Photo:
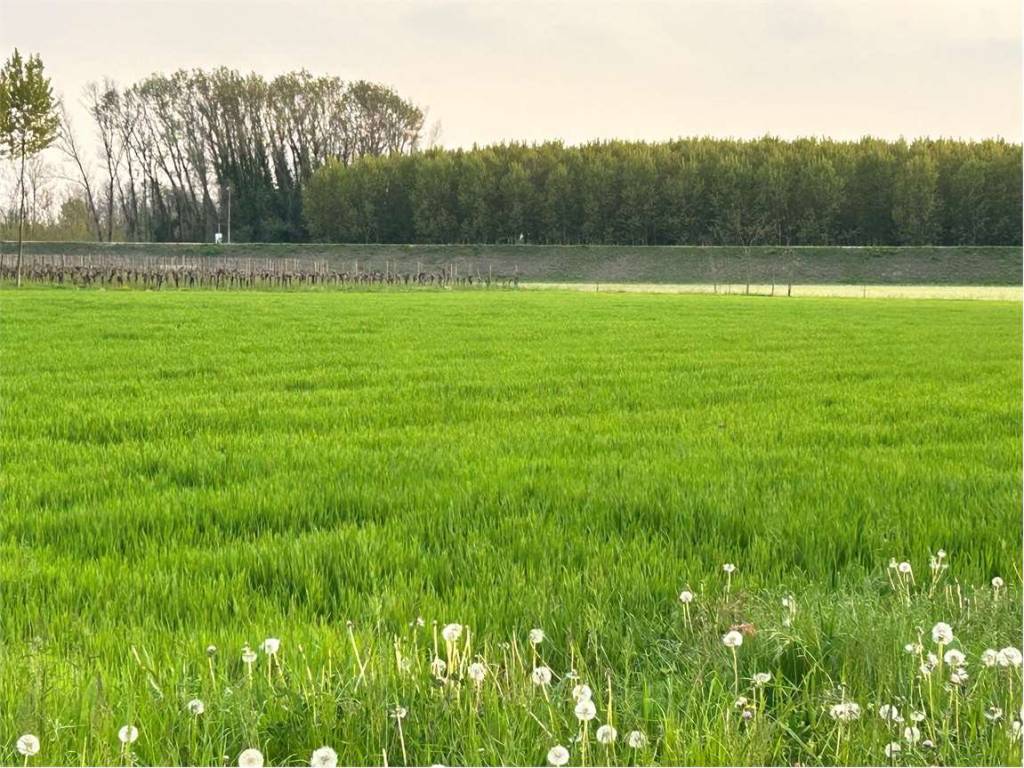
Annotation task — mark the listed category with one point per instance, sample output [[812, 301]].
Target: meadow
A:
[[279, 521]]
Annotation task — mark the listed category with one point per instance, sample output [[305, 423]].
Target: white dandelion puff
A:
[[582, 692], [890, 713], [686, 597], [248, 655], [536, 636], [845, 711], [989, 657], [585, 710], [728, 567], [1009, 657], [541, 676], [762, 678], [270, 646], [942, 633], [636, 739], [911, 734], [558, 756], [918, 716], [913, 648], [477, 672], [993, 713], [128, 734], [607, 735], [904, 567], [893, 748], [438, 667], [399, 712], [27, 745], [732, 639], [997, 582], [250, 758], [196, 707], [325, 757], [451, 632], [954, 658]]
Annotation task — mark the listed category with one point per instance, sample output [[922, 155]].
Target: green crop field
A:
[[350, 473]]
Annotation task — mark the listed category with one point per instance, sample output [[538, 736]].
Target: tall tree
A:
[[28, 121]]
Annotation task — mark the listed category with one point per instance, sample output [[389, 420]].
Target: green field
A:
[[187, 469]]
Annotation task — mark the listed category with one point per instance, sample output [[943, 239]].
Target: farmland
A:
[[812, 265], [188, 473]]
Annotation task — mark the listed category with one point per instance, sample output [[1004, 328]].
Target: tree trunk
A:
[[21, 210]]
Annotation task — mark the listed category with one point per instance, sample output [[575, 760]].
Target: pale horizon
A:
[[579, 72]]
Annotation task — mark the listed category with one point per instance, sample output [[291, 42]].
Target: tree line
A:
[[688, 191], [177, 152]]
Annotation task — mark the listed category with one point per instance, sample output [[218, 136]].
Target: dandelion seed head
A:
[[954, 658], [582, 692], [913, 648], [585, 710], [989, 657], [128, 734], [270, 646], [636, 740], [451, 632], [911, 734], [325, 757], [558, 756], [438, 667], [918, 716], [607, 735], [928, 744], [250, 758], [904, 567], [536, 636], [195, 707], [1009, 657], [740, 702], [993, 713], [477, 672], [686, 597], [762, 678], [27, 745], [248, 655], [211, 650], [420, 622], [541, 676], [997, 582], [732, 639], [747, 714], [893, 748], [399, 712], [942, 633], [845, 711], [890, 713], [728, 567]]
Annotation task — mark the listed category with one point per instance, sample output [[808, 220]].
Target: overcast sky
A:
[[579, 70]]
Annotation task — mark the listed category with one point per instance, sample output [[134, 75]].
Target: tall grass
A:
[[181, 471]]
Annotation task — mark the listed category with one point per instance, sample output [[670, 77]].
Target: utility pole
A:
[[229, 215]]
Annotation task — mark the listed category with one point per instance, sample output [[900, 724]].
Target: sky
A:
[[579, 70]]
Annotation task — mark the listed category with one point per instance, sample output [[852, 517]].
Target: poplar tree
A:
[[28, 121]]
